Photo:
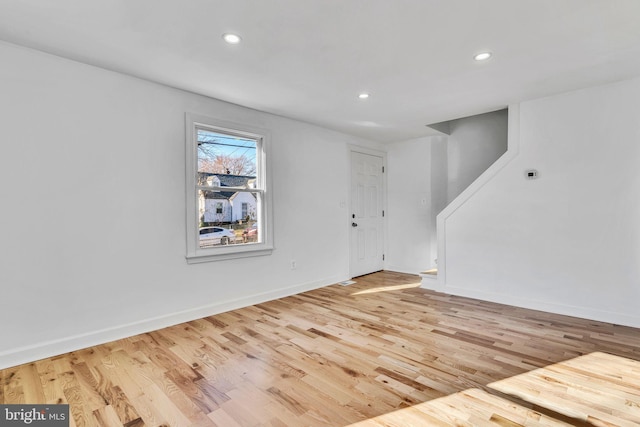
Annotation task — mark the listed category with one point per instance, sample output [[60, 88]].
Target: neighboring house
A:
[[227, 206]]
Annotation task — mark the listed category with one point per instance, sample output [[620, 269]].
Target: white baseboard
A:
[[46, 349], [549, 307], [432, 282], [399, 269]]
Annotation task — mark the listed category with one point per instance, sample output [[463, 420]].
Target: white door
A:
[[366, 214]]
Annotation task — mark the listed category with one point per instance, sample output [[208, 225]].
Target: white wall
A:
[[92, 237], [409, 206], [568, 242], [439, 179], [473, 145], [425, 174]]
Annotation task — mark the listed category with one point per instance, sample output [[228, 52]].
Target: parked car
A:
[[210, 236], [250, 234]]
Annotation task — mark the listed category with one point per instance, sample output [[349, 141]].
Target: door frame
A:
[[352, 148]]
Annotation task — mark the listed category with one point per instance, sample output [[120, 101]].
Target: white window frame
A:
[[195, 254]]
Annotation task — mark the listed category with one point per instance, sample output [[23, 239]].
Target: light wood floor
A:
[[379, 352]]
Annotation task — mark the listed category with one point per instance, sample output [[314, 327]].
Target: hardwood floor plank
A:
[[31, 385], [571, 388], [12, 388], [106, 416], [79, 409], [123, 409], [221, 419], [380, 352], [91, 387]]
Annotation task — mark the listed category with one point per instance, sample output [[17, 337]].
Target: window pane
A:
[[225, 154], [228, 218]]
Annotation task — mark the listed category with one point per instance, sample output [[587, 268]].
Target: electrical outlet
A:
[[293, 264]]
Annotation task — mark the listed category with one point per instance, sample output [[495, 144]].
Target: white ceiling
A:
[[309, 59]]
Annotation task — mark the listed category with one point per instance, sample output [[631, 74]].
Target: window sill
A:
[[222, 254]]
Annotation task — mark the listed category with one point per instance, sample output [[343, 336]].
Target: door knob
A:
[[353, 224]]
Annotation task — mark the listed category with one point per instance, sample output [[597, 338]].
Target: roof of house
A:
[[226, 180]]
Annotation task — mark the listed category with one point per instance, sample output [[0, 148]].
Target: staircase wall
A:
[[569, 241]]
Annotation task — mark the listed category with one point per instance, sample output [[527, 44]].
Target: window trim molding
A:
[[195, 254]]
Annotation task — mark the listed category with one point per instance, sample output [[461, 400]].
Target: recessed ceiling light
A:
[[231, 38], [483, 56], [363, 95]]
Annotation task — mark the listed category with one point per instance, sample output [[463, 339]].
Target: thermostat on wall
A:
[[531, 174]]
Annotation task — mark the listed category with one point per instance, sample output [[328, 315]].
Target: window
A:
[[228, 194]]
